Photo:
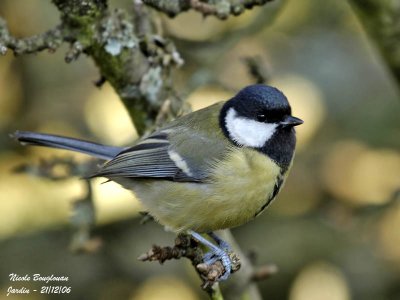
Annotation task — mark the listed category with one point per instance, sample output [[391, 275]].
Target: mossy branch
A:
[[129, 51]]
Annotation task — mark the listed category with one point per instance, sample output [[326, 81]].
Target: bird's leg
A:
[[221, 243], [215, 253]]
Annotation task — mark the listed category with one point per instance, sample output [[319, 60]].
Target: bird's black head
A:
[[259, 116], [262, 103]]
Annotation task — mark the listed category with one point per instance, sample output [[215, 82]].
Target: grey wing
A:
[[154, 157]]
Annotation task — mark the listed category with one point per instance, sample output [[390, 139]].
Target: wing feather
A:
[[150, 158]]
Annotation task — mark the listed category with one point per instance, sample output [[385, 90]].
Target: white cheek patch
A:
[[248, 132]]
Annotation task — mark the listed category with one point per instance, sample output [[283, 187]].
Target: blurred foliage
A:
[[332, 231]]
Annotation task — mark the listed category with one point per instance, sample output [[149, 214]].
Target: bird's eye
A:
[[261, 118]]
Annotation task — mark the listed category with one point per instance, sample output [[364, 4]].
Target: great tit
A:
[[215, 168]]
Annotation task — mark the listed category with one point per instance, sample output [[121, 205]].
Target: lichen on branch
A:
[[222, 9], [50, 40]]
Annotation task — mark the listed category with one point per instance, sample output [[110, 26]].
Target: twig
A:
[[221, 9], [264, 272], [83, 220], [99, 82], [49, 40], [75, 50], [58, 168], [257, 69], [185, 246], [210, 9]]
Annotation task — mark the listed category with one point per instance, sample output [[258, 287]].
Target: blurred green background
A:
[[333, 231]]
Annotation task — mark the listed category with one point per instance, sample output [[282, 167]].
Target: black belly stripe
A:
[[275, 192]]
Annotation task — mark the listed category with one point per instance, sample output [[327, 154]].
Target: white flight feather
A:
[[179, 162]]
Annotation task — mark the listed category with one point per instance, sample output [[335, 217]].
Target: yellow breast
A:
[[243, 184]]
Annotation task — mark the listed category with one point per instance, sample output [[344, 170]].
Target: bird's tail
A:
[[55, 141]]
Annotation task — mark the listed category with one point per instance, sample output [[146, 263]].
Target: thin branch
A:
[[50, 40], [185, 246], [83, 221], [221, 9], [264, 272], [58, 168], [257, 69]]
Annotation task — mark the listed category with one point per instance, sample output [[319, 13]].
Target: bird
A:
[[216, 168]]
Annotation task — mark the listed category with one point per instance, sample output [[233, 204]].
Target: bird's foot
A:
[[212, 257], [221, 253]]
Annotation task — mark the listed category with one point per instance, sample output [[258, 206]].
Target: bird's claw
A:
[[218, 254], [211, 257]]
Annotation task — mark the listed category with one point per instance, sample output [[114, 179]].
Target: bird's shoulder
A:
[[198, 139]]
